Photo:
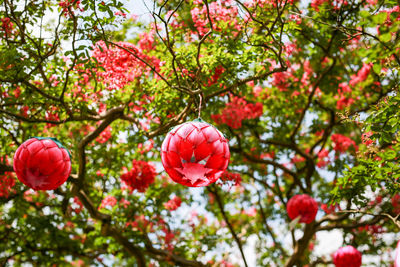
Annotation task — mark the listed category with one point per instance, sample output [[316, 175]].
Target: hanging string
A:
[[200, 104]]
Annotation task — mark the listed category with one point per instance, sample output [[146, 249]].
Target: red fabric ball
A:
[[195, 154], [347, 256], [397, 256], [42, 163], [304, 206]]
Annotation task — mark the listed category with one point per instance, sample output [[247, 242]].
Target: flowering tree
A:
[[306, 93]]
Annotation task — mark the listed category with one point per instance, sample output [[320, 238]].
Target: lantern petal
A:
[[202, 151], [174, 144], [216, 162], [185, 130], [195, 138], [174, 160], [185, 150], [211, 134], [165, 144]]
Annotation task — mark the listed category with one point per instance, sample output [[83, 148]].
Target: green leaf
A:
[[380, 17], [386, 37], [377, 68]]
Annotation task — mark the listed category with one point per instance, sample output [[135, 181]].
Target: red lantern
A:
[[42, 163], [397, 256], [347, 256], [195, 154], [304, 206]]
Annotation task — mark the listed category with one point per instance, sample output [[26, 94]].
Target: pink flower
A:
[[124, 202], [323, 158], [108, 201], [238, 110], [347, 256], [121, 65], [342, 143], [252, 212], [173, 204], [362, 74], [304, 206], [105, 135]]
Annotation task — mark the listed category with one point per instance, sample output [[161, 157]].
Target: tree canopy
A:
[[306, 92]]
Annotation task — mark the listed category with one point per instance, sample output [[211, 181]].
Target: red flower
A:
[[173, 203], [108, 201], [236, 111], [7, 180], [42, 163], [342, 143], [140, 176], [105, 135], [323, 158], [78, 204], [330, 208], [347, 256], [304, 206], [396, 203], [366, 138], [230, 176], [195, 154]]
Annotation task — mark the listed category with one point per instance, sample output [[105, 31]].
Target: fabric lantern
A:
[[42, 163], [304, 206], [195, 154], [347, 256]]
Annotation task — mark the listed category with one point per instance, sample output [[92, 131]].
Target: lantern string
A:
[[200, 104]]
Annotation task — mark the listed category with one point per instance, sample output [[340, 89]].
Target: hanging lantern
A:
[[397, 256], [302, 206], [347, 256], [42, 163], [195, 154]]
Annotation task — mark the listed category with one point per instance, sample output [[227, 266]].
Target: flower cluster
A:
[[396, 203], [120, 63], [173, 204], [361, 75], [232, 177], [7, 180], [342, 143], [330, 208], [219, 11], [6, 25], [105, 135], [370, 229], [343, 98], [215, 77], [140, 176], [77, 205], [366, 138], [323, 158], [68, 6], [108, 201], [236, 111]]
